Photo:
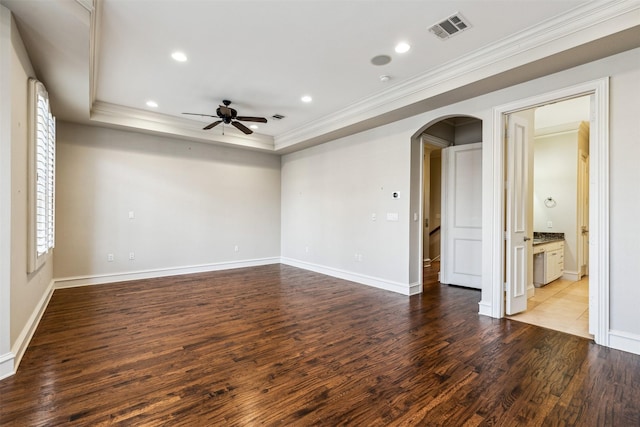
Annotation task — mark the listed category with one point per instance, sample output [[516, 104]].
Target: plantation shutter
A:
[[42, 205]]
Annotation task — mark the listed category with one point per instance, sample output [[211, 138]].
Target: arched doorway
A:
[[433, 235]]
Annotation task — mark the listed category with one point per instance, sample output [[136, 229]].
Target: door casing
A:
[[493, 195]]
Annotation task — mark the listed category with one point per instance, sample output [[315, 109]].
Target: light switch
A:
[[131, 215], [392, 216], [374, 217]]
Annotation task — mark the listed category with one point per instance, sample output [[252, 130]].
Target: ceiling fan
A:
[[228, 115]]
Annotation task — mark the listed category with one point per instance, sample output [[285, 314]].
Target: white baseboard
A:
[[71, 282], [624, 341], [415, 288], [7, 366], [484, 308], [23, 340], [400, 288], [574, 276], [531, 290]]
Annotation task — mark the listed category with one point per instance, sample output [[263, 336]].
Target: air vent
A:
[[278, 116], [451, 26]]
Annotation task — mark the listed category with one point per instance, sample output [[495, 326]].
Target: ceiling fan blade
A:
[[198, 114], [252, 119], [214, 124], [242, 127]]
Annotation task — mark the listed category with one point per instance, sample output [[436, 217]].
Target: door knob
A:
[[526, 239]]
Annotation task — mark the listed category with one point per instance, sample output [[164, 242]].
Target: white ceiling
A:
[[102, 60]]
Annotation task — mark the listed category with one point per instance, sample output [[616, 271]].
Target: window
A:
[[42, 156]]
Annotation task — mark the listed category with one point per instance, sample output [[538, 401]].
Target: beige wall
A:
[[389, 152], [192, 203], [556, 176], [26, 291]]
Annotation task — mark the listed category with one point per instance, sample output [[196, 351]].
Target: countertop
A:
[[540, 238]]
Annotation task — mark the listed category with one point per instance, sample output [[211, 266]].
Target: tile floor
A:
[[561, 305]]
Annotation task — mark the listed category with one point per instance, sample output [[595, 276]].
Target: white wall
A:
[[192, 203], [26, 294], [330, 191], [624, 209], [556, 176], [329, 194]]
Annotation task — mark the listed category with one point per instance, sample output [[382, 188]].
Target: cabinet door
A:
[[552, 266]]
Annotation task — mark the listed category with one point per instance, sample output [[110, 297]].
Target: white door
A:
[[461, 223], [519, 227]]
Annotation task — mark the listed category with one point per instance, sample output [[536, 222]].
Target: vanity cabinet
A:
[[548, 262]]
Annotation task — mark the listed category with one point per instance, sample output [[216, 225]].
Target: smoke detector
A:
[[451, 26]]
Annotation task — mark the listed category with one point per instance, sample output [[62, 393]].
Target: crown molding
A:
[[581, 25], [127, 117], [574, 28]]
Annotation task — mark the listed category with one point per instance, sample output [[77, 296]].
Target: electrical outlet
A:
[[110, 258], [236, 248], [132, 256], [549, 224]]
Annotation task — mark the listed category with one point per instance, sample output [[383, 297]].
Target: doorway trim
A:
[[598, 202]]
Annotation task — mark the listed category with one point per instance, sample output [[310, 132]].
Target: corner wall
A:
[[338, 212], [27, 294]]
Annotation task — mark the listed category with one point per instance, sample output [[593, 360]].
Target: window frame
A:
[[41, 185]]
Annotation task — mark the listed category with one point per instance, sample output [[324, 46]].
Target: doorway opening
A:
[[558, 290], [451, 229], [510, 278]]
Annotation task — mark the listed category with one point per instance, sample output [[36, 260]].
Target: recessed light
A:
[[152, 104], [253, 127], [179, 56], [306, 98], [402, 47]]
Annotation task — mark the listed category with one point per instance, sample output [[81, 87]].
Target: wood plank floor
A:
[[280, 346]]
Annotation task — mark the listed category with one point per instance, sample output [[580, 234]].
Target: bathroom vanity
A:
[[548, 258]]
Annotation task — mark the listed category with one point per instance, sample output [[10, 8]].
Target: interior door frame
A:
[[435, 142], [598, 202]]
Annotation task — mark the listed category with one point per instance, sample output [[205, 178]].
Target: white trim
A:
[[99, 279], [574, 276], [397, 287], [493, 226], [162, 124], [598, 196], [565, 31], [624, 341], [434, 141], [484, 308], [6, 365], [23, 340]]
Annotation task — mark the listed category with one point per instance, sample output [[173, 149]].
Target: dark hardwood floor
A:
[[276, 345]]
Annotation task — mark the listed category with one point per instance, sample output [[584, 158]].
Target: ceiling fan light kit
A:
[[228, 115]]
